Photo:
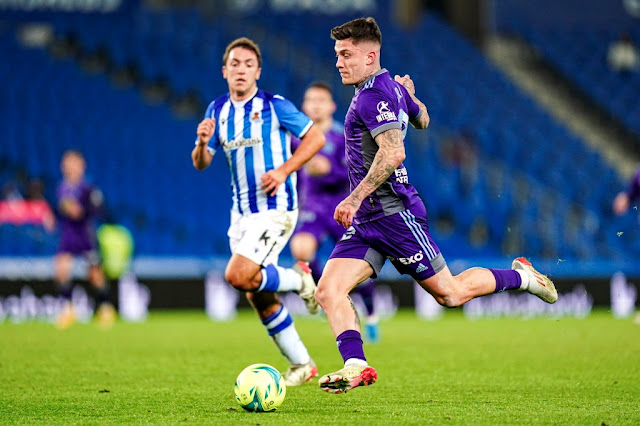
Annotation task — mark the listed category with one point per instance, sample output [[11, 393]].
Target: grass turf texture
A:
[[180, 367]]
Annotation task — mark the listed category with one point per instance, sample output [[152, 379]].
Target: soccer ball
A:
[[260, 388]]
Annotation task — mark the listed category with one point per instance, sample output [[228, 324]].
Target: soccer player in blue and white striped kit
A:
[[253, 128]]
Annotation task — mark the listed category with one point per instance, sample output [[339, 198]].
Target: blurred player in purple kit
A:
[[623, 200], [79, 202], [384, 215], [323, 183]]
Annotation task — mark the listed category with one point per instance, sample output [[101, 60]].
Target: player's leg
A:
[[256, 242], [279, 324], [63, 265], [105, 311], [304, 246], [339, 277], [452, 291], [351, 262], [313, 226], [420, 257], [366, 290]]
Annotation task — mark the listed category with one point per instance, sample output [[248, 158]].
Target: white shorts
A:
[[261, 236]]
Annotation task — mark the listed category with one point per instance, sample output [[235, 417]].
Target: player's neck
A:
[[370, 73], [243, 96], [324, 125]]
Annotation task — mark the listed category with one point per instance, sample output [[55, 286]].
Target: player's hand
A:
[[345, 211], [621, 204], [407, 83], [272, 180], [319, 165], [71, 208], [205, 130]]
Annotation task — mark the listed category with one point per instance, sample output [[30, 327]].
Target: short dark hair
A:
[[245, 42], [361, 29], [319, 84]]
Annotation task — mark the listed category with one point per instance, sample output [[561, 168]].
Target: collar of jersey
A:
[[239, 104], [382, 71]]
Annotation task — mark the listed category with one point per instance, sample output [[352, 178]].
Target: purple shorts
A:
[[80, 247], [401, 237], [320, 224]]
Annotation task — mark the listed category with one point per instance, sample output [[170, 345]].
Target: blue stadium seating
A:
[[538, 190], [580, 54]]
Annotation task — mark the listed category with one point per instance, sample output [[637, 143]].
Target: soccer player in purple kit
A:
[[79, 203], [322, 184], [384, 215], [623, 200]]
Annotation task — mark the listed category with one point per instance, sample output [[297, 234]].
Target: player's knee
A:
[[327, 295], [448, 298], [323, 294]]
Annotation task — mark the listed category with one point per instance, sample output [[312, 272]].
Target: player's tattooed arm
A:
[[389, 156], [422, 120]]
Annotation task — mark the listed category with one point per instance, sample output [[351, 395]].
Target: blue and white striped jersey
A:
[[255, 135]]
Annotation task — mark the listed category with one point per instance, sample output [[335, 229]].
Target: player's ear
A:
[[258, 73], [371, 57], [224, 72], [333, 107]]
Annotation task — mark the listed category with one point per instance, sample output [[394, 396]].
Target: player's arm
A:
[[389, 156], [310, 144], [201, 155], [421, 121]]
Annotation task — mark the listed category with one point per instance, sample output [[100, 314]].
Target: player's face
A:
[[318, 104], [241, 72], [73, 167], [352, 62]]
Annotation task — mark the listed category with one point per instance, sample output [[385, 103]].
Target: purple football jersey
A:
[[325, 192], [78, 235], [379, 104], [634, 187]]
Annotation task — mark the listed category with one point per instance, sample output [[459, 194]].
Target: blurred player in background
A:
[[623, 200], [79, 203], [323, 183], [384, 216], [254, 128]]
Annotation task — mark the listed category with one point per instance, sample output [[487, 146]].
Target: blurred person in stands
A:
[[253, 129], [384, 216], [623, 200], [35, 196], [79, 204], [323, 182], [623, 54]]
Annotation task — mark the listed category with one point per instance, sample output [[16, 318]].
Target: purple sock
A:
[[316, 269], [506, 279], [350, 345]]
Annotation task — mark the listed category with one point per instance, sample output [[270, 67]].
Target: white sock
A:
[[525, 279], [291, 346], [281, 329], [355, 361]]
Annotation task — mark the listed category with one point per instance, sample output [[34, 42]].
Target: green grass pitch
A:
[[179, 367]]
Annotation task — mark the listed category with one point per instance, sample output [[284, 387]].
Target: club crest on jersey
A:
[[384, 113], [256, 118]]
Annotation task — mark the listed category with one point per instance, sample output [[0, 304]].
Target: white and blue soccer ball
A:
[[260, 388]]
